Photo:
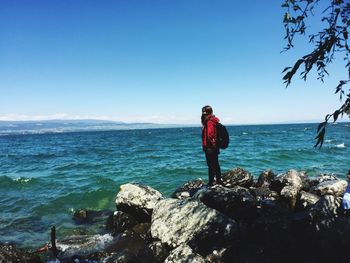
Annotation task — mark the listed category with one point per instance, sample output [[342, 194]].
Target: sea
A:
[[47, 176]]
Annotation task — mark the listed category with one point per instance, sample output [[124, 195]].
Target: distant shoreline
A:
[[8, 128]]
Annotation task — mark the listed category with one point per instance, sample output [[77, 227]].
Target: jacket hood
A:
[[213, 118]]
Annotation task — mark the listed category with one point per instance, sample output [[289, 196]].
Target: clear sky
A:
[[153, 61]]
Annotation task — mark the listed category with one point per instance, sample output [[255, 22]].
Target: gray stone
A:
[[334, 187], [289, 194], [237, 177], [184, 254], [175, 222], [291, 178], [137, 200]]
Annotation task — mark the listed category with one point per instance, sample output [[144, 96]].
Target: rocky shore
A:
[[288, 217]]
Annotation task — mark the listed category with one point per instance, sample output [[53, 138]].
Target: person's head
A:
[[206, 111], [348, 174]]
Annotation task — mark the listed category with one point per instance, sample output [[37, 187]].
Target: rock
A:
[[237, 202], [289, 194], [237, 177], [129, 241], [176, 222], [144, 231], [272, 217], [120, 221], [306, 200], [188, 189], [86, 216], [155, 252], [334, 187], [265, 178], [10, 253], [264, 193], [324, 212], [291, 178], [184, 254], [138, 201]]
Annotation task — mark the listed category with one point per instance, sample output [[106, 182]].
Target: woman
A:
[[210, 146]]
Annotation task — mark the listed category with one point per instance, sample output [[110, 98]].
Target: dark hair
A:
[[207, 110]]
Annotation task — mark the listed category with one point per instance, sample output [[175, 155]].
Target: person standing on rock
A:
[[210, 145]]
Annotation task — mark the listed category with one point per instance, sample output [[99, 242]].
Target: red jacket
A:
[[209, 134]]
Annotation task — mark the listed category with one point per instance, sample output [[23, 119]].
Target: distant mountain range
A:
[[58, 126]]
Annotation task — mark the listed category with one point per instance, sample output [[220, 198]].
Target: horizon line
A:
[[174, 124]]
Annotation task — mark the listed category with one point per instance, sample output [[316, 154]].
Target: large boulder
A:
[[237, 177], [237, 202], [333, 187], [184, 254], [176, 222], [323, 213], [188, 189], [137, 200]]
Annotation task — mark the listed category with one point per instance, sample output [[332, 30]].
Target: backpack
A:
[[223, 138]]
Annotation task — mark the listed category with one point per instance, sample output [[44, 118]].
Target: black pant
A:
[[212, 157]]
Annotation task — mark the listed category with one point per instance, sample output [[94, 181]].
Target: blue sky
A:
[[153, 61]]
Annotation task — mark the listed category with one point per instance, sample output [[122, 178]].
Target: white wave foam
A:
[[341, 145], [22, 180], [84, 245]]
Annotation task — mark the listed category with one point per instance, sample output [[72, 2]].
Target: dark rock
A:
[[188, 189], [144, 231], [119, 222], [237, 202], [138, 201], [10, 253], [237, 177], [155, 252], [323, 213], [85, 216], [265, 178], [176, 222], [264, 193]]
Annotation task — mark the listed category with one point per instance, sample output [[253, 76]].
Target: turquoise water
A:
[[44, 178]]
